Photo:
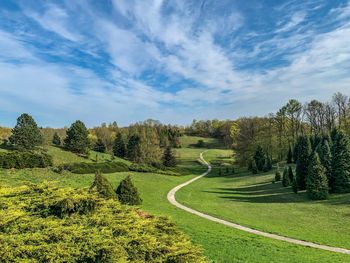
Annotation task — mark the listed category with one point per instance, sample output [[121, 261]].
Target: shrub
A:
[[277, 176], [21, 160], [168, 158], [56, 140], [102, 186], [66, 225], [254, 167], [285, 178], [200, 144], [88, 168], [295, 185], [290, 174], [127, 193]]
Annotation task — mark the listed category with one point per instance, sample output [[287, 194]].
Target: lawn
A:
[[220, 243]]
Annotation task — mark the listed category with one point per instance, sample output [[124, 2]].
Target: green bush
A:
[[277, 176], [66, 225], [127, 193], [88, 168], [21, 160]]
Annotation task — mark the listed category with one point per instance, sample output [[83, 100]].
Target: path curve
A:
[[172, 200]]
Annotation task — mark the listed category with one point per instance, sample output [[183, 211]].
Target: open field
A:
[[220, 243]]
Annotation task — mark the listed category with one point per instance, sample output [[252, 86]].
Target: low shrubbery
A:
[[65, 225], [22, 160], [88, 168], [144, 168]]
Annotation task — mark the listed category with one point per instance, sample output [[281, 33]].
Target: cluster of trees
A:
[[278, 132], [261, 161]]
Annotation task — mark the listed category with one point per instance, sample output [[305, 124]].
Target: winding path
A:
[[172, 200]]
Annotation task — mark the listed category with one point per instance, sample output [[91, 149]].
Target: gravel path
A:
[[172, 200]]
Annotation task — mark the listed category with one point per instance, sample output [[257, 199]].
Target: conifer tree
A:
[[285, 178], [233, 170], [77, 138], [304, 151], [290, 174], [290, 155], [295, 185], [254, 167], [102, 186], [324, 153], [169, 159], [119, 147], [277, 176], [227, 170], [259, 158], [127, 193], [26, 134], [340, 177], [134, 148], [316, 183], [100, 146], [56, 140]]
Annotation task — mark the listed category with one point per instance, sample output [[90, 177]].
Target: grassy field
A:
[[220, 243]]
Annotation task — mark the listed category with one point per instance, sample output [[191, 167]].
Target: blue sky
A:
[[174, 61]]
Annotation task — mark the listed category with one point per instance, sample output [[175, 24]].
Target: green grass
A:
[[220, 243]]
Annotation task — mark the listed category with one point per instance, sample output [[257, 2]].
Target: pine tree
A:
[[169, 158], [134, 148], [290, 174], [100, 146], [340, 177], [259, 158], [304, 151], [316, 183], [56, 140], [119, 147], [285, 178], [277, 176], [127, 193], [102, 186], [325, 155], [77, 138], [26, 134], [295, 185], [254, 167], [290, 155]]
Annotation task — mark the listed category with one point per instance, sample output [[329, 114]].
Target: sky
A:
[[173, 61]]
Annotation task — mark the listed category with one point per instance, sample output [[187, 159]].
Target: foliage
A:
[[325, 155], [295, 185], [77, 138], [127, 193], [259, 158], [277, 176], [21, 160], [316, 183], [102, 186], [285, 178], [254, 167], [104, 167], [119, 146], [134, 148], [340, 177], [169, 159], [56, 140], [100, 146], [65, 225], [303, 153], [26, 134], [200, 144], [290, 155], [290, 174]]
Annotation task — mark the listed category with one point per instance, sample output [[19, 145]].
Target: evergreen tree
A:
[[102, 186], [290, 174], [233, 170], [277, 176], [26, 134], [127, 193], [134, 148], [259, 158], [324, 153], [316, 183], [227, 170], [290, 155], [56, 140], [304, 151], [77, 138], [100, 146], [254, 168], [220, 171], [119, 147], [295, 185], [340, 177], [169, 158], [285, 178]]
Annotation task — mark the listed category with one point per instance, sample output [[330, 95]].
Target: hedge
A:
[[88, 168], [22, 160]]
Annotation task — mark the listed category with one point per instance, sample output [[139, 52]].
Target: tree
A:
[[290, 174], [77, 138], [100, 146], [102, 186], [316, 183], [26, 134], [134, 148], [324, 152], [169, 158], [127, 193], [119, 147], [259, 158], [304, 151], [277, 176], [285, 178], [290, 155], [254, 167], [295, 185], [56, 140], [340, 177]]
